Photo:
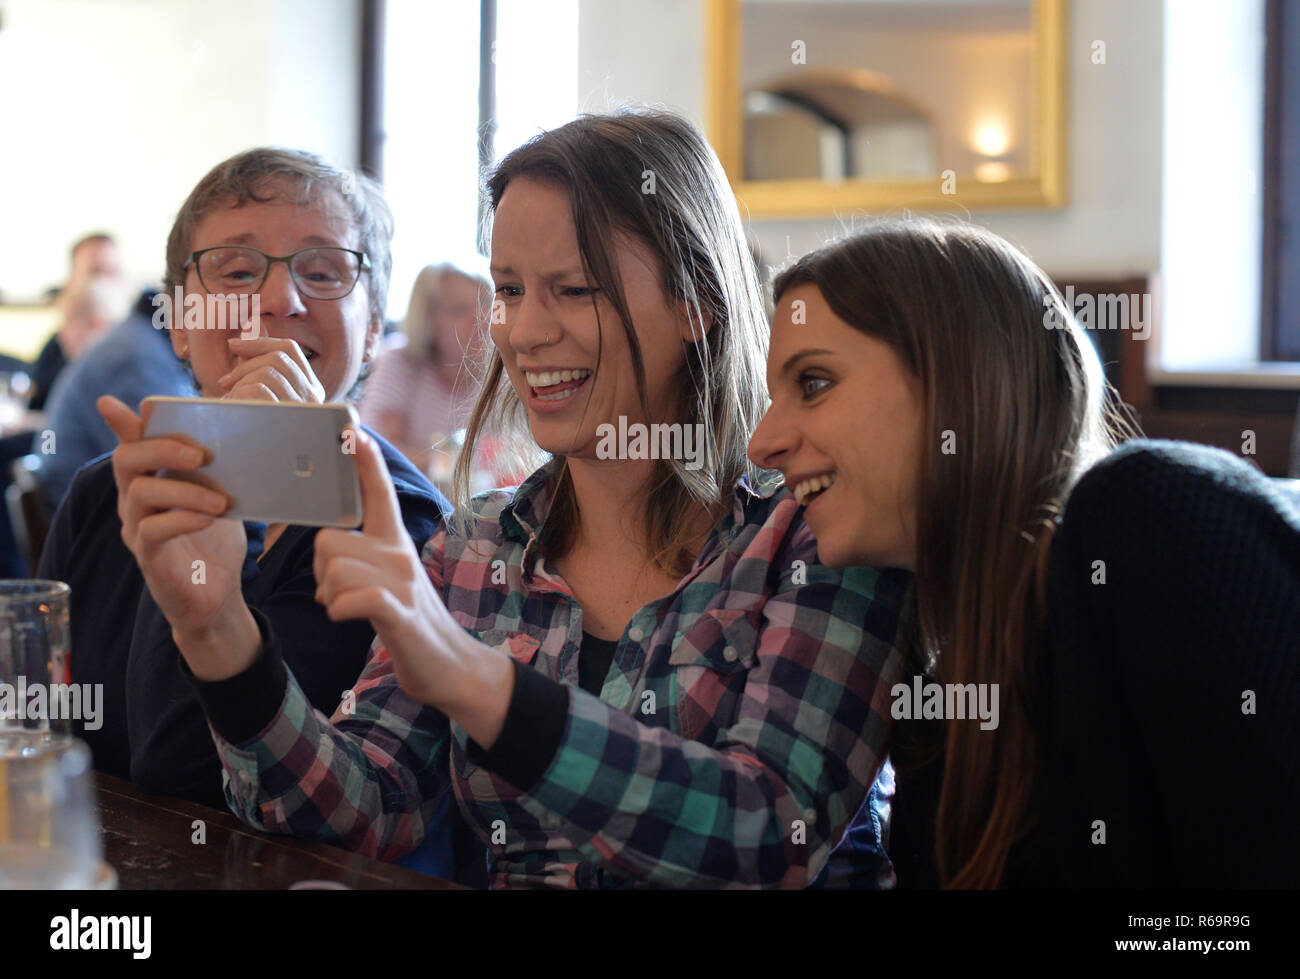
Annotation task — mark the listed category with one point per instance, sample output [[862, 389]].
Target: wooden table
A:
[[150, 842]]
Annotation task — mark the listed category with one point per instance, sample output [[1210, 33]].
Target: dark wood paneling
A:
[[1211, 415], [1224, 429]]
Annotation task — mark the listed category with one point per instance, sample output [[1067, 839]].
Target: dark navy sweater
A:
[[1169, 711]]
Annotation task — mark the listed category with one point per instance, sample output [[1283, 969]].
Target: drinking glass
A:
[[35, 696], [49, 830]]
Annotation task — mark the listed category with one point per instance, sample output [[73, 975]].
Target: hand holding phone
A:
[[277, 462], [191, 560]]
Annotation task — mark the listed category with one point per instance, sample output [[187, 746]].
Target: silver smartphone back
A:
[[280, 463]]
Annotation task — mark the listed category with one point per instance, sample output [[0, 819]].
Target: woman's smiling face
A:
[[845, 428], [333, 333], [571, 374]]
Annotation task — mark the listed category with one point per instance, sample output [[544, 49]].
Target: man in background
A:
[[94, 275], [88, 311], [131, 362], [92, 256]]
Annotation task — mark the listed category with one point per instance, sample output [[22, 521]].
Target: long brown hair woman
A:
[[1093, 627]]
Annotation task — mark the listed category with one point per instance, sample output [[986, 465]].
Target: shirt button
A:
[[810, 815], [730, 654], [635, 633]]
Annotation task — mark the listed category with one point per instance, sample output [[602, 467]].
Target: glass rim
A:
[[34, 745], [30, 588]]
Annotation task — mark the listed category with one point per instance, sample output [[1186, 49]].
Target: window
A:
[[432, 99], [1280, 296], [430, 64], [1212, 208]]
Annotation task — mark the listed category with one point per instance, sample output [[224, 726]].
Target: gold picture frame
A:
[[1043, 187]]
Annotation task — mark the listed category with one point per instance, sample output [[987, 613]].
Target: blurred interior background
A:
[[1177, 183]]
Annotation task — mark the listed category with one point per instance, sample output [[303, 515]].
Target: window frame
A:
[[1280, 314]]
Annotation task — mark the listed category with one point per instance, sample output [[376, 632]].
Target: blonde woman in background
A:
[[422, 390]]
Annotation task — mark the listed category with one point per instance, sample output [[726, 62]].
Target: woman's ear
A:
[[690, 328], [374, 332]]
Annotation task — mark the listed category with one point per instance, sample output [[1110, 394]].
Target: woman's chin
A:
[[555, 444], [829, 555], [835, 552]]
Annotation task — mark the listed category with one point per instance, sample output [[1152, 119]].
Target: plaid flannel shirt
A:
[[738, 730]]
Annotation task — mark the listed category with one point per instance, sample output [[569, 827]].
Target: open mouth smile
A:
[[811, 487], [559, 385]]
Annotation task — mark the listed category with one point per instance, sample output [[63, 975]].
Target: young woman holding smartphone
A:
[[1135, 610]]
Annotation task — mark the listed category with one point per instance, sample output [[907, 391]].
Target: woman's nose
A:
[[530, 324], [773, 440], [279, 295]]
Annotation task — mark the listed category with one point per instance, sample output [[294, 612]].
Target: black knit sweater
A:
[[1169, 715]]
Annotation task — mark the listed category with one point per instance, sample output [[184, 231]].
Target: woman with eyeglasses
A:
[[1102, 686], [310, 244], [631, 670]]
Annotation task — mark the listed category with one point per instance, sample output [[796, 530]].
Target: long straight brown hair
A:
[[1015, 409], [651, 175]]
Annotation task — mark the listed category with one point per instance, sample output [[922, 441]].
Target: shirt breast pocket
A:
[[710, 664]]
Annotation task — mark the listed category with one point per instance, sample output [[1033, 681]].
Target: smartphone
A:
[[279, 463]]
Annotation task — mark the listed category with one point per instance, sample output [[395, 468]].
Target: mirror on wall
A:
[[818, 106]]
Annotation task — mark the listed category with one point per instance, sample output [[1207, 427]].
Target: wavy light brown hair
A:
[[1005, 368], [650, 175]]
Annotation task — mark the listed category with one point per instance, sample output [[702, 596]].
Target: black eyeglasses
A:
[[319, 273]]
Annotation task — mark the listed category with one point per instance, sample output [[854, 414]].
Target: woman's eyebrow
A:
[[550, 275], [794, 359]]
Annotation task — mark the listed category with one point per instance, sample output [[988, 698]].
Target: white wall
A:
[[653, 52], [111, 111]]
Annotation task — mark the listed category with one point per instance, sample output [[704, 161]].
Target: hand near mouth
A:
[[271, 369]]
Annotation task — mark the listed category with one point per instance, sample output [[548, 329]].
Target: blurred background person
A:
[[88, 308], [92, 256], [131, 361], [424, 385], [91, 301]]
